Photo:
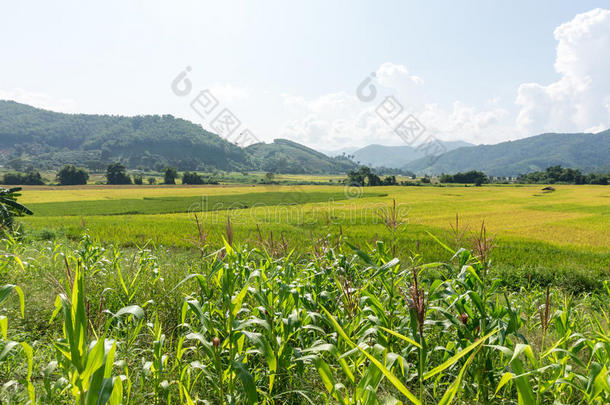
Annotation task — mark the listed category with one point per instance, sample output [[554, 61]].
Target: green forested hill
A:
[[48, 140], [284, 156], [588, 152]]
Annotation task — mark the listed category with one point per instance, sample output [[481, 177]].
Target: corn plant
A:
[[344, 325], [156, 369], [9, 346], [86, 361], [217, 329]]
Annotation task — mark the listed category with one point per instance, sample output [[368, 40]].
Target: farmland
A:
[[572, 216], [308, 294], [305, 203], [565, 231]]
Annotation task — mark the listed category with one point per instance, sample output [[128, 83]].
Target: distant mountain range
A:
[[43, 139], [347, 150], [585, 151], [32, 137], [396, 156]]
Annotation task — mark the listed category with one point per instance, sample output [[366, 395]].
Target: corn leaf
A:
[[454, 359], [391, 377]]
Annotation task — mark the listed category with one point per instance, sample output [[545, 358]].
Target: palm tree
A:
[[10, 208]]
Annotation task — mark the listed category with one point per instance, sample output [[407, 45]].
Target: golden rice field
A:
[[576, 216], [558, 234]]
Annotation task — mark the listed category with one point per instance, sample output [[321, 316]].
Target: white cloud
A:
[[40, 100], [341, 119], [332, 121], [469, 123], [395, 76], [293, 102], [580, 99]]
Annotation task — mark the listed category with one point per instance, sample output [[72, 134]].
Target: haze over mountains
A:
[[47, 140], [396, 156]]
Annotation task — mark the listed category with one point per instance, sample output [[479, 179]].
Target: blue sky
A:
[[483, 71]]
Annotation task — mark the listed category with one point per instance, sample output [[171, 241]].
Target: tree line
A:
[[50, 140], [35, 139], [471, 177], [558, 174], [116, 174], [366, 176]]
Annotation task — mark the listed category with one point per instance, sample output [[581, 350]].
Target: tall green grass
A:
[[262, 323], [519, 262]]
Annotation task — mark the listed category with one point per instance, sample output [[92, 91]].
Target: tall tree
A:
[[117, 174], [170, 175], [364, 176]]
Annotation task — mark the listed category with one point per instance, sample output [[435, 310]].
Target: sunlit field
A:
[[307, 294], [305, 203], [556, 233], [574, 216]]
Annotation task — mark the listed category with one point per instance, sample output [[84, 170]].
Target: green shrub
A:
[[71, 175], [31, 178]]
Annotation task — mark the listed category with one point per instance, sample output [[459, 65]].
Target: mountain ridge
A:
[[585, 151], [375, 155], [50, 139]]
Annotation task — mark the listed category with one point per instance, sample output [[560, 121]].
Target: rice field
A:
[[565, 233], [573, 216]]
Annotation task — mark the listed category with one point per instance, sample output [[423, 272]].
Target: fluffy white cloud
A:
[[404, 86], [341, 119], [40, 100], [464, 122], [580, 99]]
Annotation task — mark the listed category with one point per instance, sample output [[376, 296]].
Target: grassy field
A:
[[183, 204], [574, 216], [554, 234]]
